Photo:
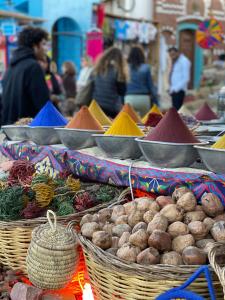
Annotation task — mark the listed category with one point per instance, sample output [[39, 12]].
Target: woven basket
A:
[[112, 278], [15, 236], [216, 250], [52, 255]]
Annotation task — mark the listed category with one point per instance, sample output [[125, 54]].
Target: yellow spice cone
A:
[[220, 144], [99, 114], [155, 110], [124, 125]]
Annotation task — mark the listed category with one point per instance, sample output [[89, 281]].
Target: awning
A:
[[22, 18]]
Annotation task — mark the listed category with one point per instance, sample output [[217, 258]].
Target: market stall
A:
[[137, 243]]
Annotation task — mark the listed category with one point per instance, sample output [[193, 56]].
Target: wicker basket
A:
[[15, 236], [216, 250], [52, 255], [112, 278]]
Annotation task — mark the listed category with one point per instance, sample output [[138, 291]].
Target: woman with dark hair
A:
[[69, 80], [110, 76], [141, 91]]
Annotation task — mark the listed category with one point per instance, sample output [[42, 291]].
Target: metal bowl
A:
[[168, 155], [43, 135], [213, 159], [16, 132], [121, 147], [77, 138]]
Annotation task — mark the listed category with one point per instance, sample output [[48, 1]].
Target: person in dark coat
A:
[[25, 91], [110, 77]]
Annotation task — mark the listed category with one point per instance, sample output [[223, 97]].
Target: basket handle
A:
[[54, 223]]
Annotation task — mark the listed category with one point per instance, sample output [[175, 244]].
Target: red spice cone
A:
[[205, 113], [171, 129]]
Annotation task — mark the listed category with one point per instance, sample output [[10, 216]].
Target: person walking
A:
[[141, 91], [25, 91], [69, 79], [179, 77], [110, 77], [85, 72]]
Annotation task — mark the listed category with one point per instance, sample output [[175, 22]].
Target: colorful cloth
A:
[[57, 159], [121, 29]]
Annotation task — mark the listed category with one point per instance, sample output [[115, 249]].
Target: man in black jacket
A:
[[25, 91]]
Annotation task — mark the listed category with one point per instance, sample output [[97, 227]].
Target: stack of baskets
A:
[[112, 278]]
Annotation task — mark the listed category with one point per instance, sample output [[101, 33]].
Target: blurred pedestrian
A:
[[110, 77], [69, 79], [179, 77], [53, 80], [141, 92], [85, 72], [24, 88]]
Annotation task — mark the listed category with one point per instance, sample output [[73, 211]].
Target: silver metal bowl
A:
[[76, 139], [121, 147], [168, 155], [43, 135], [213, 159], [16, 132]]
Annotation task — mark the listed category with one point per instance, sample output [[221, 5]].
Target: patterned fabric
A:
[[55, 159]]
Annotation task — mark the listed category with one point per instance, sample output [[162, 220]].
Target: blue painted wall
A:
[[69, 46], [79, 12], [199, 59]]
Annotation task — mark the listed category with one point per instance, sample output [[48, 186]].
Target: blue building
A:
[[66, 20]]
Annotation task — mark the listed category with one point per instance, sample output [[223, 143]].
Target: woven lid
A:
[[53, 236]]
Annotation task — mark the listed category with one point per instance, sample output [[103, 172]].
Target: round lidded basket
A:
[[52, 255]]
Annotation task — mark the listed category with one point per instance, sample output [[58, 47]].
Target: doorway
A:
[[67, 42], [187, 47]]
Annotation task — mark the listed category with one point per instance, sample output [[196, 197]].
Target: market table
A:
[[92, 164]]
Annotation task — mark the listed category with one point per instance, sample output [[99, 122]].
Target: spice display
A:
[[171, 129], [11, 203], [220, 144], [172, 230], [123, 125], [23, 121], [84, 120], [99, 114], [185, 111], [205, 113], [127, 108], [43, 193], [153, 120], [49, 116], [21, 173], [153, 110], [25, 194]]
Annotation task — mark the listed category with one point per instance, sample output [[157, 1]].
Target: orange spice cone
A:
[[84, 120]]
